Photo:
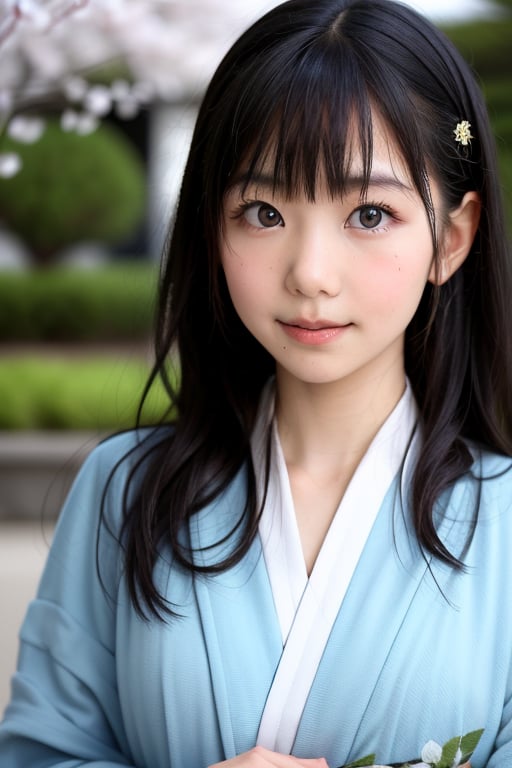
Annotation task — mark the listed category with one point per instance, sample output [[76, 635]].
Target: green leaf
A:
[[363, 761], [449, 752], [469, 743]]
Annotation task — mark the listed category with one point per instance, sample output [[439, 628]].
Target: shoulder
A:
[[482, 501], [478, 506], [488, 463], [491, 473], [91, 519], [111, 470], [127, 446], [122, 453], [488, 480]]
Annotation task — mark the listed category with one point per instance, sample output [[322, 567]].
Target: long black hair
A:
[[286, 92]]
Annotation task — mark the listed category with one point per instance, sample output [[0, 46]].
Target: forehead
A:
[[372, 158]]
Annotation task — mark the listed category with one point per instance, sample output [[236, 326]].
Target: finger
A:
[[259, 757]]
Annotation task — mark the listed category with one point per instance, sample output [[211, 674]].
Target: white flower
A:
[[26, 130], [69, 120], [98, 100], [35, 11], [86, 123], [127, 108], [120, 89], [82, 123], [10, 164], [75, 88], [431, 752]]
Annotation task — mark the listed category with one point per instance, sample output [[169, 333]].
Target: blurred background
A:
[[97, 104]]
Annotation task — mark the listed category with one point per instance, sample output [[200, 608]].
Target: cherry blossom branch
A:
[[9, 24], [30, 9], [75, 6]]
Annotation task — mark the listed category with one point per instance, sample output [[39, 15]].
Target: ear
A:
[[457, 238]]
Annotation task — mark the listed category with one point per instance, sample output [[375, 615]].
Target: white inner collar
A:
[[307, 608]]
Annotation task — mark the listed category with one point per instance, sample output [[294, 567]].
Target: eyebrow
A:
[[352, 183]]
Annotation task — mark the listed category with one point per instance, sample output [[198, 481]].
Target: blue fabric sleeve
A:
[[64, 710], [502, 749], [497, 512]]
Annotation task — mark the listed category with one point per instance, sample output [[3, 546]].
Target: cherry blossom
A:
[[51, 52]]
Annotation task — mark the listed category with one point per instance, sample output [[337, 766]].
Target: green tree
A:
[[73, 188]]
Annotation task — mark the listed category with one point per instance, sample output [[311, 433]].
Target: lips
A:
[[312, 325], [313, 332]]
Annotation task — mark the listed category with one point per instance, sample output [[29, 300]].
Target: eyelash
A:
[[383, 207], [246, 205]]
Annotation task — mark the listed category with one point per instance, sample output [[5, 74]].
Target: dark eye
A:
[[262, 215], [368, 217]]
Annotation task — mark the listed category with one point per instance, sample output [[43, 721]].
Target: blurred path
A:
[[23, 550]]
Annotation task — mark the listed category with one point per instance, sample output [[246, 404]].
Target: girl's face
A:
[[328, 287]]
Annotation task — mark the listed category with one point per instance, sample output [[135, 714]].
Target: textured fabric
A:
[[415, 653]]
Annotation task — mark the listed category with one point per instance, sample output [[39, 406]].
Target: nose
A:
[[315, 263]]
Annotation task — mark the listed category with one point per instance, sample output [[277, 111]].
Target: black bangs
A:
[[300, 119]]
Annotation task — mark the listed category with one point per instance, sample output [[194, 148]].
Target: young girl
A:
[[312, 562]]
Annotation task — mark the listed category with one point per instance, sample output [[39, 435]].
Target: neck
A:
[[328, 427]]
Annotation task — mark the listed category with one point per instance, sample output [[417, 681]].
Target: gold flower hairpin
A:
[[462, 133]]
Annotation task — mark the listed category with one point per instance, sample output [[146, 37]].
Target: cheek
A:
[[239, 288], [395, 285], [249, 267], [244, 282]]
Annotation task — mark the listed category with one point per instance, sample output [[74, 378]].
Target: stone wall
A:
[[37, 469]]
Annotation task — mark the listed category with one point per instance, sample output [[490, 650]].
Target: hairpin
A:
[[462, 133]]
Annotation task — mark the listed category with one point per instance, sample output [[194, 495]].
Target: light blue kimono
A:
[[405, 662]]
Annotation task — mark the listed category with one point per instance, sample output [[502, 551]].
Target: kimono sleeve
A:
[[65, 709], [496, 513], [502, 749]]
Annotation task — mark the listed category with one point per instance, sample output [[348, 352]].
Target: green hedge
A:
[[86, 393], [485, 44], [111, 303]]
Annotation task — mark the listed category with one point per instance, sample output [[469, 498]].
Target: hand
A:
[[264, 758]]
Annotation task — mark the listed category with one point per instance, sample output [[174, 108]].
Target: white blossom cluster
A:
[[49, 49]]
